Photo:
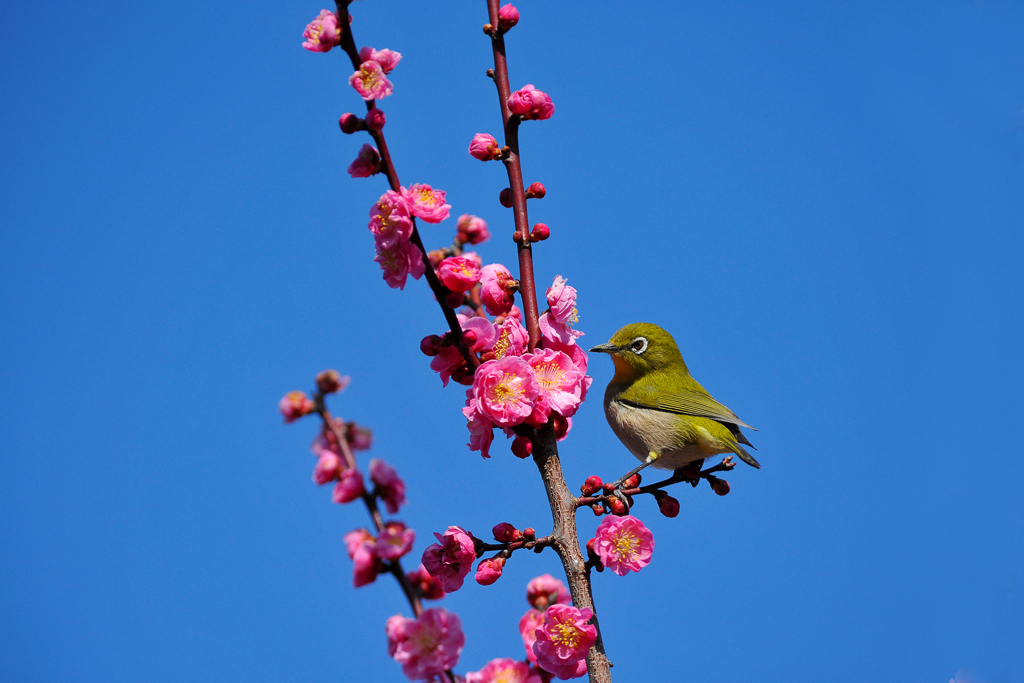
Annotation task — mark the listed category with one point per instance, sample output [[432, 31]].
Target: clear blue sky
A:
[[823, 202]]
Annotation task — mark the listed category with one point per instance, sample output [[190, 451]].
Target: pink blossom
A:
[[489, 571], [451, 559], [514, 312], [294, 405], [390, 486], [371, 82], [481, 430], [484, 147], [395, 541], [366, 163], [326, 468], [624, 544], [429, 586], [575, 352], [561, 382], [359, 438], [390, 221], [475, 257], [512, 338], [546, 590], [426, 202], [563, 641], [458, 273], [531, 103], [494, 294], [448, 360], [485, 331], [472, 230], [505, 391], [362, 548], [322, 33], [504, 671], [349, 487], [508, 16], [399, 262], [388, 59], [426, 646], [562, 334], [528, 624], [562, 302]]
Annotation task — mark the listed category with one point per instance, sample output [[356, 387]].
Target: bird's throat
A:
[[624, 372]]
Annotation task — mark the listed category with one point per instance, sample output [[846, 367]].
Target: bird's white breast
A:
[[643, 430]]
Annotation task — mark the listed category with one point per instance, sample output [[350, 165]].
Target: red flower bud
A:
[[329, 381], [720, 486], [632, 482], [505, 533], [454, 299], [592, 485], [598, 509], [540, 233], [668, 505], [508, 16], [529, 533], [469, 336], [375, 119], [349, 123], [505, 197], [536, 191], [430, 345], [609, 487], [617, 507], [522, 447], [560, 424]]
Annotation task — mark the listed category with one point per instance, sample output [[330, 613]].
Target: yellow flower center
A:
[[427, 640], [370, 79], [384, 216], [506, 390], [427, 196], [549, 375], [626, 545], [502, 346], [565, 634]]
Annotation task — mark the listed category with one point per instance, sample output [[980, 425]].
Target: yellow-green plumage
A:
[[658, 410]]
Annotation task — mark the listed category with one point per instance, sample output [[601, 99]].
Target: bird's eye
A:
[[639, 345]]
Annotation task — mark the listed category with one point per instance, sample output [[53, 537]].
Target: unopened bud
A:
[[349, 123], [505, 533], [617, 507], [522, 447], [668, 505], [592, 485], [720, 486], [632, 482], [454, 299], [430, 345], [535, 191], [540, 233], [529, 533], [598, 509], [469, 336], [462, 375], [489, 571], [330, 381], [488, 29], [375, 119], [508, 16], [560, 424], [505, 197]]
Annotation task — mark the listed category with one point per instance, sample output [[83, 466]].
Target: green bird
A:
[[659, 412]]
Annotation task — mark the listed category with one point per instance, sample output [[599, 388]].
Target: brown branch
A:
[[348, 45]]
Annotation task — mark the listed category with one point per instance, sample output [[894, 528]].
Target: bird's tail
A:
[[745, 457]]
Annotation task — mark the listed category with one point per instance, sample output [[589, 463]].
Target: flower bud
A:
[[375, 119], [720, 486], [592, 485], [330, 381], [505, 533], [430, 345], [349, 123], [326, 468], [632, 482], [462, 375], [522, 447], [484, 147], [489, 571], [617, 507], [508, 16], [454, 299], [535, 191], [560, 424], [598, 509], [608, 488], [540, 233], [529, 534], [668, 505], [505, 197], [294, 405]]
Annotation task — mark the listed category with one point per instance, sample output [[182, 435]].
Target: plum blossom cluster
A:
[[513, 386], [555, 634], [622, 544], [428, 646], [391, 223]]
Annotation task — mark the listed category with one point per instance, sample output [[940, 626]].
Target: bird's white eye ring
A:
[[638, 346]]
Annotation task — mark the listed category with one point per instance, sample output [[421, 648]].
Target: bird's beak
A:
[[605, 348]]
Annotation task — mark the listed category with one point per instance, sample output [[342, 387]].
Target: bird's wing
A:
[[687, 402]]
